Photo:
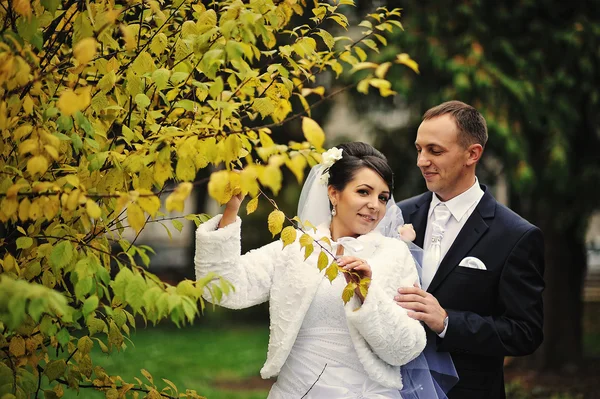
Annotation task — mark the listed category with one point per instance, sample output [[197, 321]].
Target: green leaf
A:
[[115, 338], [119, 284], [135, 291], [142, 100], [63, 336], [160, 77], [27, 28], [85, 344], [24, 242], [55, 369], [61, 255], [51, 5], [83, 287], [90, 305], [177, 224], [95, 325]]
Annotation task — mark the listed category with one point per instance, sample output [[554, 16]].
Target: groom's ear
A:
[[474, 154]]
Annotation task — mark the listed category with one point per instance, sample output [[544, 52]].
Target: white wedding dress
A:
[[323, 355]]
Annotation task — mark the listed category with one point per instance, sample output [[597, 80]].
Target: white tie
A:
[[433, 254]]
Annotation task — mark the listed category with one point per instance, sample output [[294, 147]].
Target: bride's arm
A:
[[218, 251], [391, 334]]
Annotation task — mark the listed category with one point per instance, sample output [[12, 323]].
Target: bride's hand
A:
[[235, 202], [355, 264], [231, 210], [357, 269]]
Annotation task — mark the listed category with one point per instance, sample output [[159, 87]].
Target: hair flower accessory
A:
[[407, 232], [330, 156], [324, 179]]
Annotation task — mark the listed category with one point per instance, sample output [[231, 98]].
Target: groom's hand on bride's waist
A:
[[423, 306]]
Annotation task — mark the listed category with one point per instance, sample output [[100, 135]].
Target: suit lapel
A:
[[469, 235], [418, 217]]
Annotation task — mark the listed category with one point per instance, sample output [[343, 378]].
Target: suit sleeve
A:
[[518, 330], [386, 327], [218, 253]]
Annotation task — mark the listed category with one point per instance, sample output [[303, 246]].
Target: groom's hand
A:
[[423, 306]]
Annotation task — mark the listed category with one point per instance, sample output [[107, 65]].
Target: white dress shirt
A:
[[461, 207]]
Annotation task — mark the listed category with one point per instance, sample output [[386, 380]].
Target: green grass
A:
[[195, 357]]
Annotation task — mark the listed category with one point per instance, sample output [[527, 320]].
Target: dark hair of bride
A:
[[355, 156]]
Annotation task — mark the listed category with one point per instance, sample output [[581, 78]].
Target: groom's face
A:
[[441, 158]]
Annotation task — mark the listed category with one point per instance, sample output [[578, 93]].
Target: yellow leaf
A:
[[28, 104], [288, 235], [275, 221], [93, 209], [313, 132], [68, 102], [22, 131], [9, 262], [14, 190], [296, 165], [150, 204], [85, 50], [28, 146], [162, 172], [128, 36], [308, 250], [135, 217], [363, 286], [248, 182], [37, 164], [186, 169], [24, 209], [251, 205], [409, 62], [51, 151], [72, 199], [22, 7], [305, 240], [9, 206], [382, 69], [348, 292], [50, 208], [17, 346], [271, 177], [175, 201], [219, 187], [323, 261], [332, 271], [35, 209]]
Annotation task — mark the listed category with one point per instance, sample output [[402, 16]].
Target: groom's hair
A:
[[355, 156], [472, 128]]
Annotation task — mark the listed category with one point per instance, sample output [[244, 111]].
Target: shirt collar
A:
[[459, 205]]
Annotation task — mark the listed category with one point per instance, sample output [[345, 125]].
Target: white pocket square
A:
[[473, 263]]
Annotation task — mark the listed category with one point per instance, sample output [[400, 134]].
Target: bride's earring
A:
[[333, 211]]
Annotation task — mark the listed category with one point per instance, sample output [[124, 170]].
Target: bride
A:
[[319, 347]]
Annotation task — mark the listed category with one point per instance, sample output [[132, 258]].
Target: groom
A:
[[483, 264]]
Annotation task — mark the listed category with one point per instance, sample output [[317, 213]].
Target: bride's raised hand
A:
[[231, 209]]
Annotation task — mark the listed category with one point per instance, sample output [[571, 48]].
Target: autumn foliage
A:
[[103, 103]]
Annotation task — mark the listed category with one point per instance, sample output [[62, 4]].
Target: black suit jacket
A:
[[492, 313]]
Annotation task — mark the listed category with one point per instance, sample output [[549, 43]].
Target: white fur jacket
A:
[[382, 333]]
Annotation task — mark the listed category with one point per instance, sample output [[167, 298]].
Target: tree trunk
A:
[[565, 258]]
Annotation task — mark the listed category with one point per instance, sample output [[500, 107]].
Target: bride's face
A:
[[360, 205]]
